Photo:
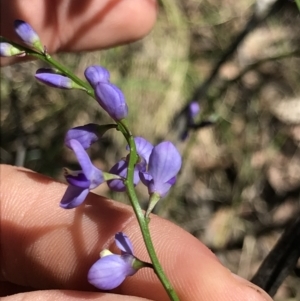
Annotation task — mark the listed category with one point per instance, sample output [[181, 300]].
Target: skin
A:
[[46, 251]]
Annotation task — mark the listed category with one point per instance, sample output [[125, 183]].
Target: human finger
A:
[[75, 25], [65, 295], [57, 247]]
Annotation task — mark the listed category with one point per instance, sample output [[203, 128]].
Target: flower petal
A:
[[143, 147], [77, 178], [73, 197], [96, 74], [112, 100], [172, 181], [164, 162], [82, 157], [110, 271], [93, 174], [123, 243], [194, 109], [146, 178], [159, 188], [120, 169], [85, 135]]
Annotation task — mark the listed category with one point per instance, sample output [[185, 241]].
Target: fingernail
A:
[[262, 295]]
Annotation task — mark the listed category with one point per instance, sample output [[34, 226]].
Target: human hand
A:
[[76, 25], [51, 250]]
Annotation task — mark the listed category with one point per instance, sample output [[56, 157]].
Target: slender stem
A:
[[48, 59], [133, 157], [142, 220]]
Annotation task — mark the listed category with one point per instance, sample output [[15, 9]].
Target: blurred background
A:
[[239, 186]]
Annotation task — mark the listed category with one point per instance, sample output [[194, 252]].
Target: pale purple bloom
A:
[[164, 164], [7, 50], [111, 270], [51, 78], [81, 181], [143, 148], [27, 34], [85, 135], [123, 243], [194, 109], [96, 74], [121, 169], [112, 100]]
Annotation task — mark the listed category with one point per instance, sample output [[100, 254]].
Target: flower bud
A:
[[56, 80], [28, 35], [112, 100], [96, 74], [7, 49]]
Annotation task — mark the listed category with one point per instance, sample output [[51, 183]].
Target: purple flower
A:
[[28, 35], [164, 164], [111, 270], [87, 134], [112, 100], [194, 109], [7, 49], [82, 181], [51, 78], [143, 148], [96, 74]]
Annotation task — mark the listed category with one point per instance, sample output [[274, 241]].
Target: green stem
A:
[[133, 157], [48, 59], [142, 220]]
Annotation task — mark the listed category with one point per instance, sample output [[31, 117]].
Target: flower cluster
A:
[[109, 96], [157, 167]]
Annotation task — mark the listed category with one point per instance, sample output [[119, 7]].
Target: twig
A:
[[280, 261]]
